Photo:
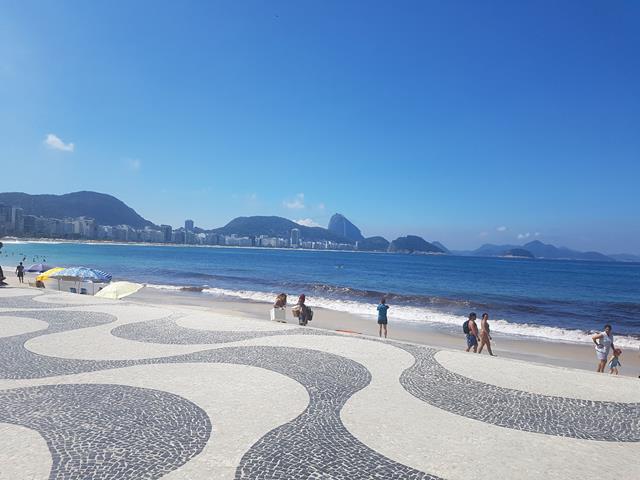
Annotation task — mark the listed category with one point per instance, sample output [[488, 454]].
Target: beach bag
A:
[[465, 327], [309, 314], [278, 315]]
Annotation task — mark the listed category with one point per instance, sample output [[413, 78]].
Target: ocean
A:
[[548, 299]]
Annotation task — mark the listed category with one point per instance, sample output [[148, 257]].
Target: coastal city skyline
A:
[[319, 239], [440, 120], [123, 224]]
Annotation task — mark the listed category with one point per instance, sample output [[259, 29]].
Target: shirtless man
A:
[[20, 272], [472, 336]]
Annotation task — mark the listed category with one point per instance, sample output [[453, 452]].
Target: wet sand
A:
[[561, 354], [549, 352]]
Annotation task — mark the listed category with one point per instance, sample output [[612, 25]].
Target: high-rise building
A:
[[295, 237], [17, 220], [178, 236], [5, 219], [166, 230], [29, 224], [188, 225]]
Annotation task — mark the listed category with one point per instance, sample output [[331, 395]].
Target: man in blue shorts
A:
[[382, 317], [472, 333]]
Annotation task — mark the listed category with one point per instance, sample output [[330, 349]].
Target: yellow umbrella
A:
[[118, 290], [43, 276]]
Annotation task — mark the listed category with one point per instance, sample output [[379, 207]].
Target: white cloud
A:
[[297, 203], [321, 206], [502, 228], [308, 222], [134, 164], [54, 142], [523, 235], [537, 234]]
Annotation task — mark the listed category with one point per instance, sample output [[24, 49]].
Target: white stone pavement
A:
[[103, 389]]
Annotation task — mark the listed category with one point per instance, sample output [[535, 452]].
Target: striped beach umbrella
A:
[[82, 274], [38, 268], [43, 276]]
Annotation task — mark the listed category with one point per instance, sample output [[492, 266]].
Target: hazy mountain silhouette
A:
[[105, 209]]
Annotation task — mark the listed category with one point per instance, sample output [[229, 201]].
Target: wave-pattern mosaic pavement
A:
[[109, 431], [429, 381], [102, 429]]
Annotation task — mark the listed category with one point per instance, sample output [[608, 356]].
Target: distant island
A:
[[97, 216], [413, 244], [518, 253]]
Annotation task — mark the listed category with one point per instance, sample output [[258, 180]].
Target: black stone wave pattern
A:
[[166, 331], [315, 444], [432, 383], [28, 302], [108, 431], [16, 362]]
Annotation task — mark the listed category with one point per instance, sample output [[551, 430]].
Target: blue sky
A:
[[464, 122]]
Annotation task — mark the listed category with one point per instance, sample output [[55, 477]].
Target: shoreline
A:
[[540, 351], [17, 241], [559, 352]]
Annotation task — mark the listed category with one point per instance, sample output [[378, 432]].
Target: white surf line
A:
[[541, 379], [388, 419], [243, 403]]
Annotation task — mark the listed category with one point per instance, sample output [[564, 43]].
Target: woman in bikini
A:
[[485, 336]]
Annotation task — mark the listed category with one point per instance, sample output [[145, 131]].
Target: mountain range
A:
[[108, 210], [277, 227], [538, 250], [105, 209]]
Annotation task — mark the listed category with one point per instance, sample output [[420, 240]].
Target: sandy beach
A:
[[524, 348], [562, 354]]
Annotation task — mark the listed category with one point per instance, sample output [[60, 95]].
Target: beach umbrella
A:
[[82, 274], [43, 276], [38, 268], [117, 290]]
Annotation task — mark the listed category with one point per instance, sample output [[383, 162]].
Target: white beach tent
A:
[[117, 290]]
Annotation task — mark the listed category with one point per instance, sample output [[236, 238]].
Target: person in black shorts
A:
[[20, 272], [382, 317]]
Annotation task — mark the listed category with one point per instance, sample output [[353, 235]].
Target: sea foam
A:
[[421, 316]]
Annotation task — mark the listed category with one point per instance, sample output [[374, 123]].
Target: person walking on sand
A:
[[614, 363], [471, 330], [382, 317], [20, 272], [604, 343], [485, 334]]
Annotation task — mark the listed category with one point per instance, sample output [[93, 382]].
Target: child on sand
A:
[[614, 363]]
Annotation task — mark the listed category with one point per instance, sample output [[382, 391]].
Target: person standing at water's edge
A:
[[604, 343], [382, 317], [485, 334], [302, 309], [20, 272], [471, 330]]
